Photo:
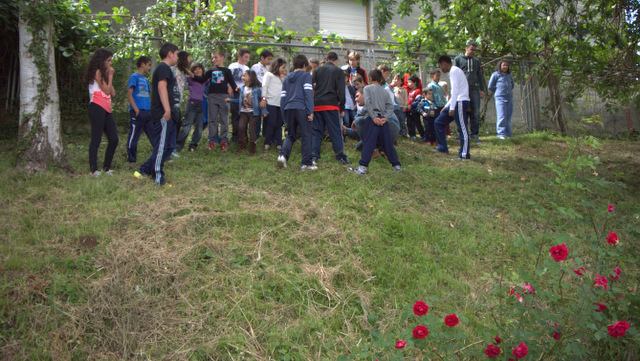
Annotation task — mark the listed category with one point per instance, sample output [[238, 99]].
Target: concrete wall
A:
[[136, 7], [296, 15]]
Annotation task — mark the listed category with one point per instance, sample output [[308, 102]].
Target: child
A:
[[428, 109], [445, 90], [349, 104], [413, 116], [271, 91], [297, 106], [379, 108], [358, 84], [314, 63], [139, 107], [221, 87], [355, 69], [165, 102], [193, 113], [99, 78], [250, 110], [402, 97], [237, 69], [262, 67], [502, 84], [439, 97], [181, 72]]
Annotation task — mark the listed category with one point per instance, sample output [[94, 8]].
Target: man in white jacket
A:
[[455, 109]]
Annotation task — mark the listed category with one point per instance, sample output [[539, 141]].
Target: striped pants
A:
[[460, 116]]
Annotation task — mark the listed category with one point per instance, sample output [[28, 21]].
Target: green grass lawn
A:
[[240, 260]]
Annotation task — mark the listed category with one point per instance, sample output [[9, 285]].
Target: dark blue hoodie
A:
[[297, 92]]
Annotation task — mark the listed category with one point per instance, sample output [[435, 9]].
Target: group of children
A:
[[261, 99]]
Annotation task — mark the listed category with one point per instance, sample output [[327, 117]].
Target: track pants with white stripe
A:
[[165, 143], [139, 123], [460, 116]]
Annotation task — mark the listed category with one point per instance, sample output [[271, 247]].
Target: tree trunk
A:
[[555, 98], [40, 128]]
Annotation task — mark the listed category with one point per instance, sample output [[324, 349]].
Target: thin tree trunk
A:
[[40, 125], [559, 122]]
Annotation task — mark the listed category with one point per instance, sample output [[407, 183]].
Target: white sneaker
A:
[[175, 154], [501, 137], [282, 161], [95, 174], [362, 170], [309, 167], [109, 172], [267, 147]]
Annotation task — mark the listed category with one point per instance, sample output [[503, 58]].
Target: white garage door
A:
[[345, 18]]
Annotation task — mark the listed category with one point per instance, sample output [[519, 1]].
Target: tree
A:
[[40, 129], [584, 40]]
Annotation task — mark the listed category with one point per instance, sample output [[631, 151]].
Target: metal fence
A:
[[529, 99]]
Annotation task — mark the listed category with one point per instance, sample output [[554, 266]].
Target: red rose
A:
[[451, 320], [520, 351], [400, 344], [527, 288], [556, 335], [559, 252], [601, 306], [420, 332], [601, 281], [420, 308], [492, 351], [618, 329], [498, 340], [618, 272], [612, 238], [579, 271], [611, 208]]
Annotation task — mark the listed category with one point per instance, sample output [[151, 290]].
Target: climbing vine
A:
[[37, 15]]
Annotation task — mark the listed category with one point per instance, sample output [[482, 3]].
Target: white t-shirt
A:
[[260, 70], [236, 71]]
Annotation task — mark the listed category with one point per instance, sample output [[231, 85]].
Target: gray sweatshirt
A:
[[472, 69], [377, 101]]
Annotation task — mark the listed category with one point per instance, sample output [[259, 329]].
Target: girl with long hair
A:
[[99, 79], [271, 92]]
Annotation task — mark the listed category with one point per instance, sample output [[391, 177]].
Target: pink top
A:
[[96, 95]]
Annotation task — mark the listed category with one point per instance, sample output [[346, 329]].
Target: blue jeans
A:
[[193, 116], [298, 127], [402, 120], [504, 110], [138, 124], [330, 119], [460, 117], [349, 117], [474, 95]]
